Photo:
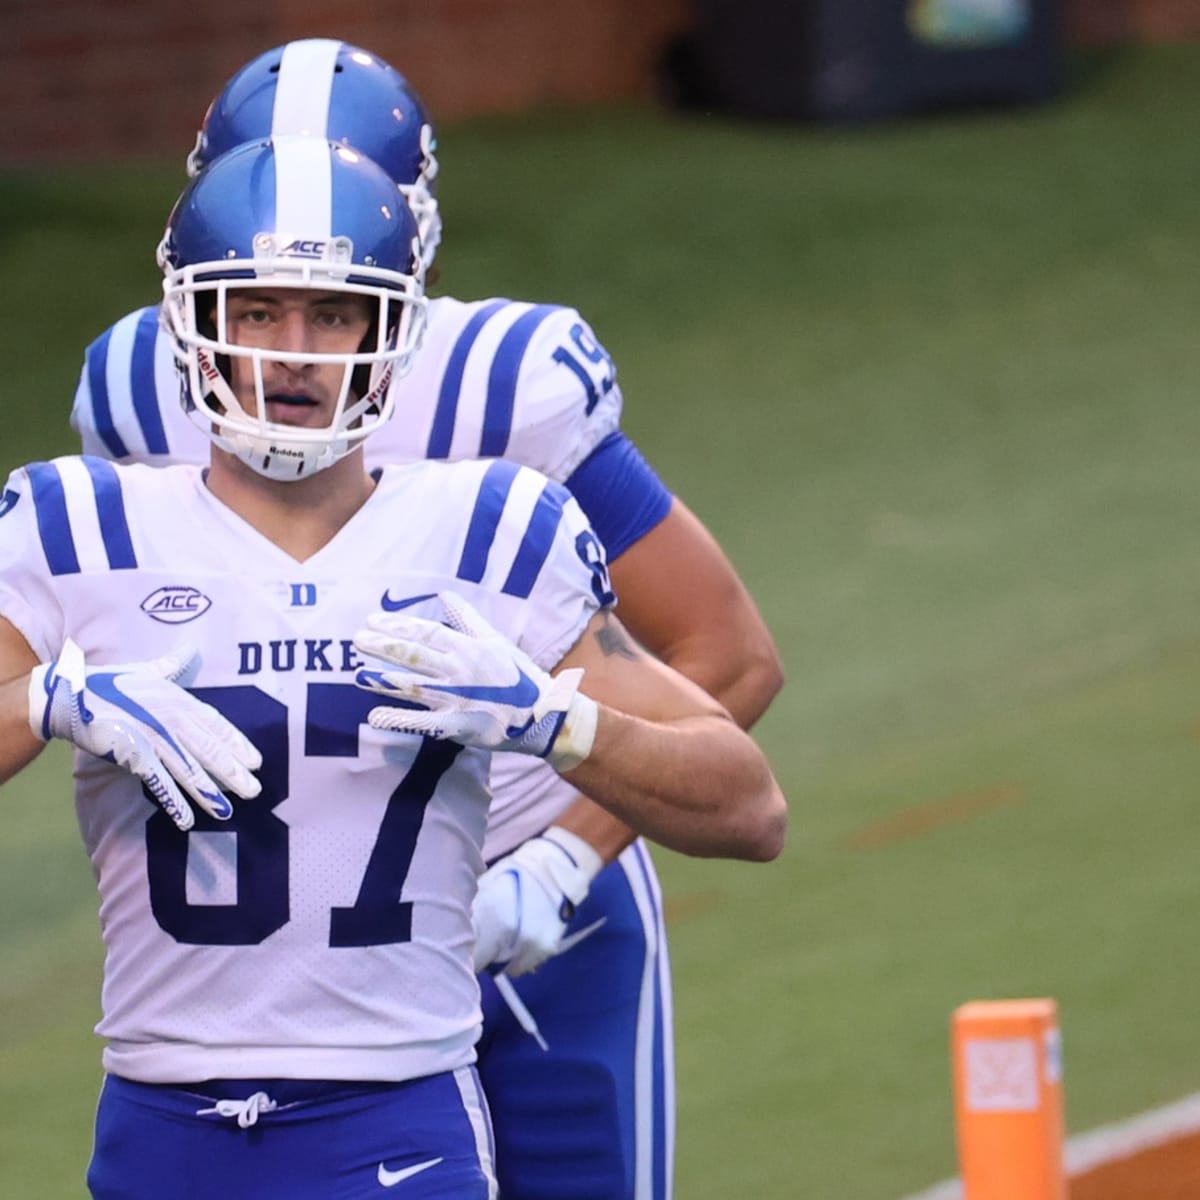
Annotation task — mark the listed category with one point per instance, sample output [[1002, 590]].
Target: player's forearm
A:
[[710, 630], [745, 677], [18, 746], [698, 785]]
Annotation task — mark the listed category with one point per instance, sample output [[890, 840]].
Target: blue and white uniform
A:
[[528, 383], [324, 933]]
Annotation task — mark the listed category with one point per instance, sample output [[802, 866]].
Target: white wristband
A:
[[583, 854], [576, 734], [71, 668], [39, 702]]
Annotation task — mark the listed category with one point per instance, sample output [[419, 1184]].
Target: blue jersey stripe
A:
[[660, 1140], [485, 520], [110, 506], [142, 383], [97, 373], [447, 406], [536, 543], [54, 526], [502, 380]]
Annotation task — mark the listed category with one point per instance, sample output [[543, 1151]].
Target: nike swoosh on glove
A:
[[461, 679], [526, 898], [140, 717]]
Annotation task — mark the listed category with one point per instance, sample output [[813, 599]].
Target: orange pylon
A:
[[1008, 1100]]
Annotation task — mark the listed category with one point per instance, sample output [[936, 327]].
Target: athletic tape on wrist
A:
[[576, 735], [69, 667], [582, 853]]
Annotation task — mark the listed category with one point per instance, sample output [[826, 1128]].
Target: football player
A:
[[287, 851], [581, 1079]]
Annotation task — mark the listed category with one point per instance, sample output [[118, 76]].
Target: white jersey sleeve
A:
[[504, 379], [525, 556], [527, 794], [27, 597], [127, 402]]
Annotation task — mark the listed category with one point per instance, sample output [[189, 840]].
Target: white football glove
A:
[[140, 717], [462, 680], [526, 898]]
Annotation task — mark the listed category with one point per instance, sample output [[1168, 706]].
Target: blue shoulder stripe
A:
[[502, 380], [97, 368], [142, 384], [485, 520], [54, 519], [110, 506], [54, 526], [535, 545], [448, 394]]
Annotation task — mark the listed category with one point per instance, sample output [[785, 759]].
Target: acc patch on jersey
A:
[[175, 604]]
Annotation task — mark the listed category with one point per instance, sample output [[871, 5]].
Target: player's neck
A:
[[299, 517]]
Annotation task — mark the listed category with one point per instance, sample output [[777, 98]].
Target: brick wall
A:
[[1096, 22], [86, 79], [90, 78]]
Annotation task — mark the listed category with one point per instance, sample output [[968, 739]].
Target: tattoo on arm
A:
[[612, 639]]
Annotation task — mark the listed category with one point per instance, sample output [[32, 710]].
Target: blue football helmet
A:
[[336, 91], [299, 213]]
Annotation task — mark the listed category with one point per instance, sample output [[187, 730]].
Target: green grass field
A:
[[934, 385]]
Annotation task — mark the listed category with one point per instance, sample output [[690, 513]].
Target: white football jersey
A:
[[325, 930], [493, 378]]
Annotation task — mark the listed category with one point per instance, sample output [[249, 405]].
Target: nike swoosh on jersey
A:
[[390, 605], [389, 1179], [522, 694]]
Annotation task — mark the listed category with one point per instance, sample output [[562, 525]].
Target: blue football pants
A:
[[593, 1116], [320, 1141]]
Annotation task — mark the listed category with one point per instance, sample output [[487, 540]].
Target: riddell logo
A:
[[207, 367], [374, 399], [176, 604]]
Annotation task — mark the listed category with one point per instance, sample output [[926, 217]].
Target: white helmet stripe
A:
[[303, 88], [303, 188]]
